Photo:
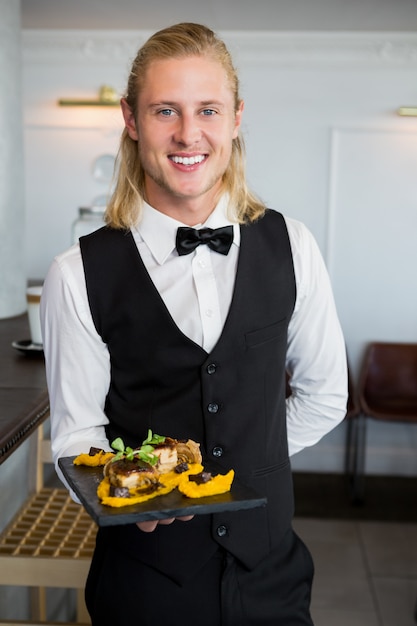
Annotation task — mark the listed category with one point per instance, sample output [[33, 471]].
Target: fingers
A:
[[149, 527]]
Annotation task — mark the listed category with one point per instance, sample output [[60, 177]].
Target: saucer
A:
[[27, 347]]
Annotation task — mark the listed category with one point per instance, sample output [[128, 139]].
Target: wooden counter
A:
[[23, 393]]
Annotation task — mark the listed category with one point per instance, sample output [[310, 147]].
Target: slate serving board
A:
[[85, 480]]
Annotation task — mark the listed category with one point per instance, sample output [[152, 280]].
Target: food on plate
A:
[[197, 486], [188, 451], [167, 455], [159, 465], [94, 458], [131, 474]]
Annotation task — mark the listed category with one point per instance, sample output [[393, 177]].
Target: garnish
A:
[[144, 452]]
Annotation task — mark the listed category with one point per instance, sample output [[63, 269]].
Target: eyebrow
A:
[[203, 103]]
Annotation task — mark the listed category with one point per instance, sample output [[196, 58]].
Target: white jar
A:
[[89, 219]]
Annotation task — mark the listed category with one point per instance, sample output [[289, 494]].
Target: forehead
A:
[[201, 75]]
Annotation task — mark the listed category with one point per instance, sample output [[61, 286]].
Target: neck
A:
[[189, 211], [189, 217]]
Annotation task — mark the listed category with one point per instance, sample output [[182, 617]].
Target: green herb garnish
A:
[[144, 452]]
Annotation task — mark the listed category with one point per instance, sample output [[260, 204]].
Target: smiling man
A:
[[185, 314], [184, 122]]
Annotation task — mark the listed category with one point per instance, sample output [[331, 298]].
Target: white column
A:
[[12, 273]]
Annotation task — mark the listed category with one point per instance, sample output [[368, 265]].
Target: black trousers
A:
[[223, 593]]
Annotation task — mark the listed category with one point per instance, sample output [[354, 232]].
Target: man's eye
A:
[[209, 112], [166, 112]]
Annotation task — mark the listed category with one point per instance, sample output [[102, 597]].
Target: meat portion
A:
[[132, 474], [129, 471], [173, 452], [167, 455]]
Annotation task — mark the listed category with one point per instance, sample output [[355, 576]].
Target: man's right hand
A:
[[149, 527]]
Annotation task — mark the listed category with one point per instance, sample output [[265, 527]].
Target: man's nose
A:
[[188, 130]]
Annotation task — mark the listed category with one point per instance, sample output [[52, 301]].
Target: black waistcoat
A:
[[232, 400]]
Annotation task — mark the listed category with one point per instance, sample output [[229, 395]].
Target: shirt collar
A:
[[159, 231]]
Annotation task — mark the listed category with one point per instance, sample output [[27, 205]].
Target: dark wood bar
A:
[[23, 392]]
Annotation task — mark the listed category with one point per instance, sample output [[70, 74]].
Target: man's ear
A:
[[129, 119], [238, 119]]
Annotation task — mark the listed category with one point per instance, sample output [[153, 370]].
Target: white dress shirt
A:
[[77, 360]]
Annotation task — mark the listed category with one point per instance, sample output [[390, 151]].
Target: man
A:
[[194, 343]]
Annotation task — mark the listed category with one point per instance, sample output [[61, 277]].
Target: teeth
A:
[[188, 160]]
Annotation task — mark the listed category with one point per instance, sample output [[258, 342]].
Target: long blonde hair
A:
[[178, 41]]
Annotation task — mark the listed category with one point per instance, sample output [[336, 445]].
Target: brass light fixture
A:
[[407, 111], [107, 96]]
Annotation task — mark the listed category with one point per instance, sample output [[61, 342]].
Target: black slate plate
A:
[[84, 481]]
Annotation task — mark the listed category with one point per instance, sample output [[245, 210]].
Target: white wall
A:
[[283, 15], [324, 146]]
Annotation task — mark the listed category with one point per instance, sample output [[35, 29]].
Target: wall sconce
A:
[[407, 111], [107, 96]]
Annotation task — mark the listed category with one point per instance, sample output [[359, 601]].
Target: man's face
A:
[[185, 126]]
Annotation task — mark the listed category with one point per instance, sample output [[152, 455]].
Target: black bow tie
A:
[[218, 239]]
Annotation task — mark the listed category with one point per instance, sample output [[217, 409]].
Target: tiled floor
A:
[[366, 572]]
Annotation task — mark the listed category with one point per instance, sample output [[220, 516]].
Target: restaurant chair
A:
[[387, 391], [49, 543]]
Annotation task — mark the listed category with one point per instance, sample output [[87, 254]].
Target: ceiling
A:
[[287, 15]]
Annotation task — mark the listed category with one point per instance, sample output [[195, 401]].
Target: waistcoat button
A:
[[211, 368], [221, 531], [212, 407], [217, 451]]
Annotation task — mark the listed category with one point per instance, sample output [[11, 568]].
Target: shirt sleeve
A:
[[316, 353], [76, 360]]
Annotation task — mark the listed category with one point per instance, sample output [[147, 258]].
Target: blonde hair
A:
[[178, 41]]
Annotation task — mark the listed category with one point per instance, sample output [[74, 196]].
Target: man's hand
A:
[[149, 527]]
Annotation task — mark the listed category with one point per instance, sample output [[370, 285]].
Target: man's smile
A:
[[192, 160]]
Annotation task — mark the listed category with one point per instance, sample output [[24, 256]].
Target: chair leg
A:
[[348, 447], [352, 443], [358, 481], [83, 616], [38, 603], [355, 456]]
